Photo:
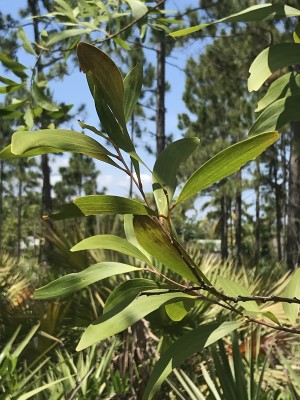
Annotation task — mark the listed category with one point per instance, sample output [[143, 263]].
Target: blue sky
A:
[[73, 89]]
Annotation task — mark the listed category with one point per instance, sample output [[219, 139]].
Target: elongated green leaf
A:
[[222, 330], [7, 81], [164, 179], [183, 348], [110, 242], [34, 392], [109, 122], [138, 7], [41, 100], [61, 140], [58, 37], [271, 60], [130, 235], [132, 90], [127, 291], [21, 346], [101, 204], [286, 85], [6, 114], [235, 289], [226, 163], [14, 66], [6, 110], [260, 12], [73, 282], [292, 290], [11, 86], [66, 140], [6, 153], [116, 321], [63, 110], [188, 385], [155, 241], [277, 115], [108, 84], [271, 316], [210, 383], [25, 41]]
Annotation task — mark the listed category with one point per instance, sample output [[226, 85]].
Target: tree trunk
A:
[[293, 229], [224, 228], [238, 220], [278, 202], [257, 214], [285, 190], [46, 206], [19, 210], [160, 91]]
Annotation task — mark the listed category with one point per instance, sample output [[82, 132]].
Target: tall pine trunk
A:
[[19, 208], [278, 202], [46, 206], [257, 215], [238, 216], [224, 228], [160, 91], [293, 228]]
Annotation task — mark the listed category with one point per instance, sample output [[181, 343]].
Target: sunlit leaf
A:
[[271, 60], [139, 8], [71, 283], [296, 34], [287, 85], [101, 204], [271, 316], [118, 319], [259, 12], [183, 348], [226, 163], [25, 41], [132, 90], [222, 330], [277, 115], [120, 42], [6, 153], [130, 235], [177, 311], [164, 180], [234, 289], [60, 140], [292, 290], [65, 34], [110, 242], [155, 241]]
